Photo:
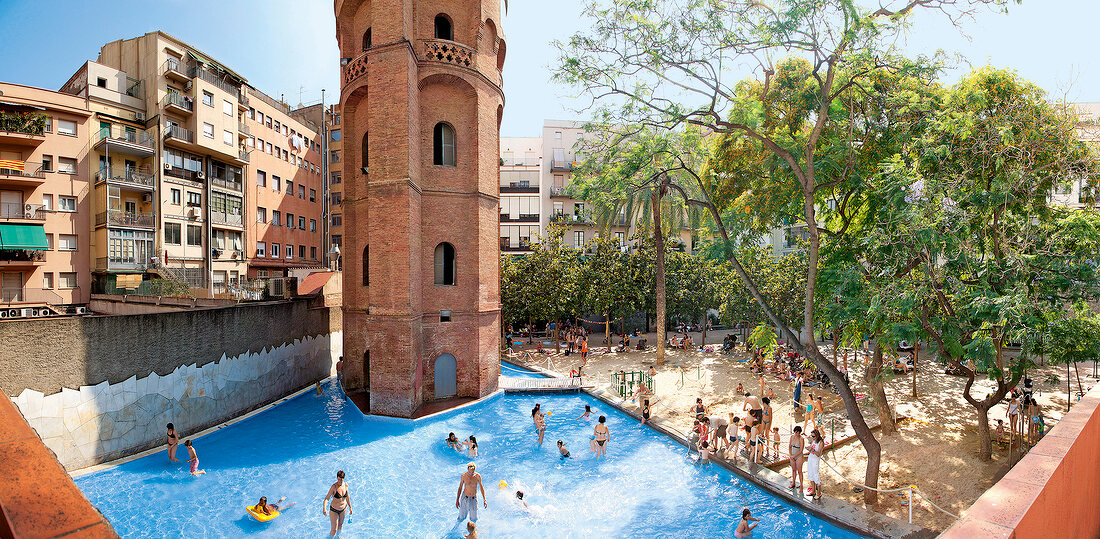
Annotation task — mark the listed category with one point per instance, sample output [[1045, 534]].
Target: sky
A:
[[288, 47]]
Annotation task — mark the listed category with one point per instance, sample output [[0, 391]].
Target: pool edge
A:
[[867, 519]]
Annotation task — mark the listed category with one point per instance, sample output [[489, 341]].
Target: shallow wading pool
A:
[[403, 478]]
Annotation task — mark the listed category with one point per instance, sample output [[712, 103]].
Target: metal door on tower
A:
[[446, 376]]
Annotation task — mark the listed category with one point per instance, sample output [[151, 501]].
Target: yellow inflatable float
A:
[[260, 515], [503, 484]]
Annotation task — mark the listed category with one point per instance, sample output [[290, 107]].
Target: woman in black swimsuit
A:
[[645, 411], [341, 501], [173, 443], [699, 409]]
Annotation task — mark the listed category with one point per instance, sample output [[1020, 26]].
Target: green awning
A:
[[23, 237]]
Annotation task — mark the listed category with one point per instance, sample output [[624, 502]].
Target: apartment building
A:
[[559, 142], [286, 196], [327, 117], [175, 136], [45, 202], [521, 193]]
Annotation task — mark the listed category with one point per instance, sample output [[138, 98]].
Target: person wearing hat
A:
[[466, 499]]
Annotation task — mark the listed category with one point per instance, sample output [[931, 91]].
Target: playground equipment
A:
[[624, 383]]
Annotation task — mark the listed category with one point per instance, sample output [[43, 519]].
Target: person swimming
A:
[[587, 412], [471, 443], [268, 508], [453, 442], [563, 450]]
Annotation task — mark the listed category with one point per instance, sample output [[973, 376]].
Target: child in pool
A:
[[472, 528], [561, 448], [453, 442], [472, 445], [744, 529], [704, 453]]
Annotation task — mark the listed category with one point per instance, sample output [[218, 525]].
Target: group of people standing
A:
[[600, 433]]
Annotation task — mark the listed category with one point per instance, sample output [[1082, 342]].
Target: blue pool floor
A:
[[403, 479]]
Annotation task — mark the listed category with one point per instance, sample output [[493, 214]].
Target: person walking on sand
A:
[[794, 450], [699, 410], [173, 443], [814, 473], [798, 390], [766, 416], [341, 502], [193, 458], [744, 529], [466, 499], [602, 437], [810, 419], [735, 436], [1013, 416]]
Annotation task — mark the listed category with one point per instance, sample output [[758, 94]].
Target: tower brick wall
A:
[[395, 89]]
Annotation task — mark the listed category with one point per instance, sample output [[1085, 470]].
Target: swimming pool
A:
[[404, 479]]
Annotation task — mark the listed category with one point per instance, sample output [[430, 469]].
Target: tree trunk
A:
[[916, 353], [873, 377], [607, 331], [811, 266], [659, 273], [855, 415], [985, 443], [705, 321]]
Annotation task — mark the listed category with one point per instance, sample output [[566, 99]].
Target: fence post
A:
[[911, 503]]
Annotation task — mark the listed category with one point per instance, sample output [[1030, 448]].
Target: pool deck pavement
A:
[[837, 511]]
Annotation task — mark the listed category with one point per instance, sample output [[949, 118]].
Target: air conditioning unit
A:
[[4, 313], [81, 310], [13, 313], [200, 175], [187, 87], [168, 166], [139, 116], [193, 212], [28, 312], [147, 197]]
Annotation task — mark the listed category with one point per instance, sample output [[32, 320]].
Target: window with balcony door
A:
[[261, 214], [578, 238], [443, 27], [445, 264], [366, 39]]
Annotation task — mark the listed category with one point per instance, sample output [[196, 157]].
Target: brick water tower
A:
[[421, 98]]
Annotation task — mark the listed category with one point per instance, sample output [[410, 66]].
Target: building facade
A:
[[521, 193], [421, 104], [176, 191], [46, 202]]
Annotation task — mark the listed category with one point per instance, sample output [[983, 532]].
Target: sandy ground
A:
[[936, 449]]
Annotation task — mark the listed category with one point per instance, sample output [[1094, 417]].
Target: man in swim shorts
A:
[[466, 499], [752, 404]]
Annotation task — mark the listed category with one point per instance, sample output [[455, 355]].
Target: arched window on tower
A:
[[444, 144], [366, 265], [366, 39], [365, 155], [443, 27], [444, 264]]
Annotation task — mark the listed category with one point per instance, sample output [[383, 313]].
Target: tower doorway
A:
[[446, 376]]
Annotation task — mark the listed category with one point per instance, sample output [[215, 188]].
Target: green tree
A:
[[606, 282], [663, 64]]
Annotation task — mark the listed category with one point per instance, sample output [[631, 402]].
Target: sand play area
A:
[[935, 448]]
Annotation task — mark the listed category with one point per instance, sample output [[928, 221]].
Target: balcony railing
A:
[[125, 218], [242, 98], [128, 135], [506, 245], [448, 52], [182, 101], [521, 218], [21, 255], [570, 218], [31, 170], [179, 133], [180, 172], [208, 76], [243, 155], [24, 123], [556, 191], [228, 184], [142, 175], [17, 210], [29, 295], [226, 218], [515, 187], [562, 166], [243, 128], [176, 67]]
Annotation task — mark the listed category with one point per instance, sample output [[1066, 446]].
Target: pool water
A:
[[403, 478]]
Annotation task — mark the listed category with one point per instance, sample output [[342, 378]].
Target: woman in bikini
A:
[[471, 444], [540, 421], [173, 443], [699, 409], [341, 502], [794, 449], [268, 508], [602, 437], [1013, 416], [811, 417]]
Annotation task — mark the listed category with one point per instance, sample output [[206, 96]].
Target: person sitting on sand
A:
[[740, 389], [267, 509], [744, 529]]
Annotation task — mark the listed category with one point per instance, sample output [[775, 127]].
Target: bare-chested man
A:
[[752, 404], [602, 436], [466, 499]]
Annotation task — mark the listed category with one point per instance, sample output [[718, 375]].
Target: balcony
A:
[[104, 263], [447, 52], [24, 177], [521, 218], [15, 211], [559, 192], [179, 134], [243, 129], [568, 218], [126, 219], [222, 218], [242, 156], [507, 246], [175, 102], [13, 258], [515, 187], [22, 128], [140, 178], [242, 100], [209, 76], [182, 173], [226, 183], [120, 139], [562, 166], [176, 69]]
